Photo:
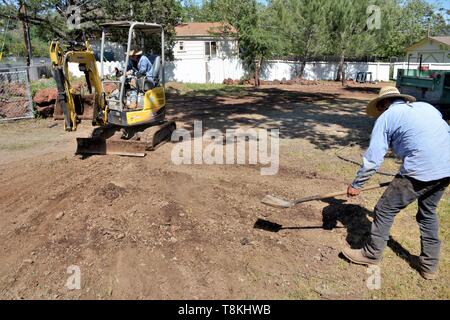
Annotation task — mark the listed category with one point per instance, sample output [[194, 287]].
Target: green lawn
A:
[[208, 89]]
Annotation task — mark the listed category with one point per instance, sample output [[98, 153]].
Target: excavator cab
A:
[[129, 110]]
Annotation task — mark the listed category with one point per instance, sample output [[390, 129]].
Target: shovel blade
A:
[[277, 202]]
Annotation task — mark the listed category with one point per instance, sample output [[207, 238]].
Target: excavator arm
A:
[[83, 55]]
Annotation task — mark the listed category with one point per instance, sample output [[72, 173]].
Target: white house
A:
[[205, 52], [432, 49]]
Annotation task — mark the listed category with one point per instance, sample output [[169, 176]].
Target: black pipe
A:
[[420, 66]]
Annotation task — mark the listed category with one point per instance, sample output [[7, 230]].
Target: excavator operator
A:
[[141, 67]]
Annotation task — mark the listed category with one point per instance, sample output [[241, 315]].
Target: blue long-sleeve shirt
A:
[[144, 67], [417, 134]]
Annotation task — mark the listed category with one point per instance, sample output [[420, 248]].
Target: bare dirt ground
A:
[[144, 228]]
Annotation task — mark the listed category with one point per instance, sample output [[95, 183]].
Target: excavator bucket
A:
[[99, 145]]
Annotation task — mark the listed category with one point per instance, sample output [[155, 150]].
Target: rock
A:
[[245, 241], [228, 81], [45, 96], [59, 215], [109, 87], [28, 261], [45, 111], [120, 236]]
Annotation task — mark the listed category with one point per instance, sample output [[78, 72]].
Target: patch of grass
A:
[[213, 87], [304, 290], [208, 89], [40, 84]]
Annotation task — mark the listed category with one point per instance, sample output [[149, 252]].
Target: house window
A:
[[211, 49], [181, 45]]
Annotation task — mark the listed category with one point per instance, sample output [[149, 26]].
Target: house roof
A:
[[443, 39], [203, 29]]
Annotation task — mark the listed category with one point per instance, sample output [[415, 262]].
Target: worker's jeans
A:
[[400, 193]]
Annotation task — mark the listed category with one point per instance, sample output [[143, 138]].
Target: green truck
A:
[[432, 86]]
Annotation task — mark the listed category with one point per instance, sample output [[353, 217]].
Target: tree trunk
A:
[[26, 31], [257, 72], [302, 68], [341, 72]]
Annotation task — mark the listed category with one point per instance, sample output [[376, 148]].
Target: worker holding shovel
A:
[[417, 133]]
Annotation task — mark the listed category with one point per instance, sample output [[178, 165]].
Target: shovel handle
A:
[[340, 193]]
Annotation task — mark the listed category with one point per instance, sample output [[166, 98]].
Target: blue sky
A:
[[440, 3]]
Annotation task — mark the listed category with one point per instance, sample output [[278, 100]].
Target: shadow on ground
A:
[[352, 217], [355, 219], [325, 119]]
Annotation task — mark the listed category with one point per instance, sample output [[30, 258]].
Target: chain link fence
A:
[[15, 96]]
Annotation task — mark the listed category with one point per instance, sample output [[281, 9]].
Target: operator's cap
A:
[[385, 93]]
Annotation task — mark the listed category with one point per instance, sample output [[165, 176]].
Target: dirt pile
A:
[[45, 101]]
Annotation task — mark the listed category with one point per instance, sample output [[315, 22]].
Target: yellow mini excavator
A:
[[130, 120]]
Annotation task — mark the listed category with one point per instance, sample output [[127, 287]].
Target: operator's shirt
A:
[[144, 67], [416, 133]]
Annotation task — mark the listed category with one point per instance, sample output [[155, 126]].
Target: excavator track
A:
[[109, 141], [156, 135]]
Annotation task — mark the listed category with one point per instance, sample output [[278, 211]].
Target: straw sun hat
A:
[[135, 52], [386, 93]]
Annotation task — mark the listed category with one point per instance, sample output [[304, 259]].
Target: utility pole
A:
[[26, 30]]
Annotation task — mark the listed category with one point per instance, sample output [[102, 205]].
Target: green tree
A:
[[168, 13], [206, 11], [48, 18], [301, 24], [347, 29]]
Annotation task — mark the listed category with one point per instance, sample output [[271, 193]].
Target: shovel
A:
[[283, 203]]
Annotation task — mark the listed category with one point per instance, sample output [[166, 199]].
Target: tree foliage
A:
[[298, 29]]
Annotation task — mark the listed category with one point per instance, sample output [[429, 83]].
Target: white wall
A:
[[194, 48], [193, 70], [220, 69], [191, 50], [431, 51], [108, 68], [196, 70], [323, 70]]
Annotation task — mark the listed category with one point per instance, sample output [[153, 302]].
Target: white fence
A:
[[216, 70], [323, 70]]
